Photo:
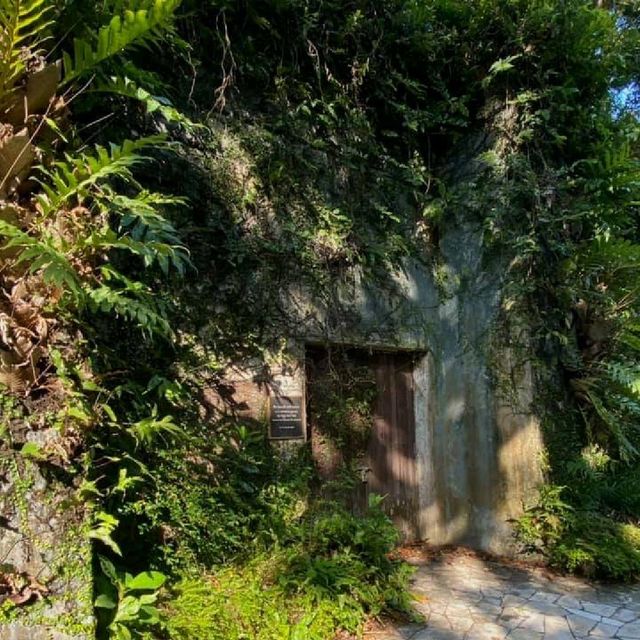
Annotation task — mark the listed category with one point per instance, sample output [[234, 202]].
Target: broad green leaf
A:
[[147, 580], [104, 601]]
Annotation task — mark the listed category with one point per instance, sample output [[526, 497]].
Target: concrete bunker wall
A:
[[478, 448]]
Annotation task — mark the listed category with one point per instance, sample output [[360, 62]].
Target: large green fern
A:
[[74, 177], [64, 260], [138, 25]]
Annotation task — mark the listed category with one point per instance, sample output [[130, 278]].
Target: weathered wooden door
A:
[[391, 455], [388, 457]]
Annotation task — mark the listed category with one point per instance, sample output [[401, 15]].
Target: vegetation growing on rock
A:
[[186, 160]]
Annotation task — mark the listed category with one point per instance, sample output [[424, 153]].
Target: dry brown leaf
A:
[[35, 96], [21, 588], [17, 154], [17, 379]]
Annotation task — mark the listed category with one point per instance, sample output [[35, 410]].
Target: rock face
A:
[[45, 555]]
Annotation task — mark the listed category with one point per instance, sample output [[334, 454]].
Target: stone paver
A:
[[463, 597]]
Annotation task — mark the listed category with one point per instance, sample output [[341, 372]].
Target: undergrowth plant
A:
[[332, 574], [73, 219], [127, 604], [579, 540]]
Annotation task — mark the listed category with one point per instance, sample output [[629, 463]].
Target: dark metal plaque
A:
[[286, 418]]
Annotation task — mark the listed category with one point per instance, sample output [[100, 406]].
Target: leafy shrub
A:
[[126, 604], [340, 555], [580, 541], [223, 495], [598, 546], [597, 482], [328, 527], [332, 575]]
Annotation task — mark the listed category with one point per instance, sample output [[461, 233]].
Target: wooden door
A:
[[391, 455], [387, 458]]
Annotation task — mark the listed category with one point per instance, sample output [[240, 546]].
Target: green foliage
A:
[[238, 603], [580, 541], [127, 604], [214, 497], [63, 260], [139, 25], [341, 402], [104, 524], [127, 88], [345, 557], [333, 573], [76, 177], [283, 563], [82, 247], [560, 210], [24, 26], [335, 133]]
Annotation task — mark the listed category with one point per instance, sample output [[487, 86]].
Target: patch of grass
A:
[[245, 602]]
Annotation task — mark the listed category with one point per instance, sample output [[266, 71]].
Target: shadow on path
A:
[[464, 597]]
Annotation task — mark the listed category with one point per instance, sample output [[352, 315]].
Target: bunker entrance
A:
[[361, 424]]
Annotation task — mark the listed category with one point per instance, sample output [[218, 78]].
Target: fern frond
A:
[[136, 26], [42, 256], [128, 299], [127, 88], [626, 375], [630, 335], [75, 176], [627, 449], [152, 252], [54, 266], [615, 263], [144, 316], [23, 26], [143, 230]]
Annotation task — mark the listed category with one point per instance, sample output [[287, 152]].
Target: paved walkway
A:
[[464, 597]]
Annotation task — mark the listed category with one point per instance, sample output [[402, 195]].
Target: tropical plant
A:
[[55, 249], [127, 604], [79, 240]]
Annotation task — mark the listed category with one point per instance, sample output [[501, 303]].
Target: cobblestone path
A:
[[465, 597]]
